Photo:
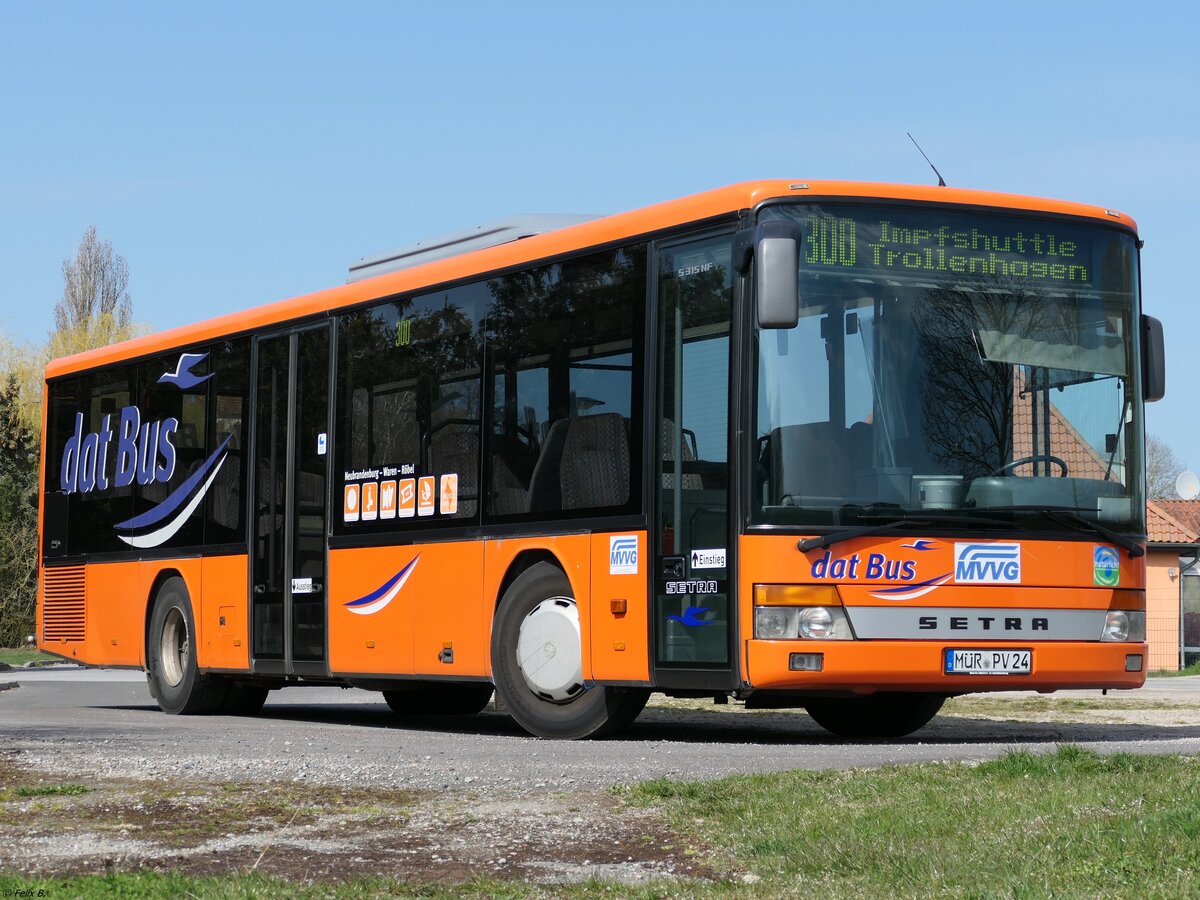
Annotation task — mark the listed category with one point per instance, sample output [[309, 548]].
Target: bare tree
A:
[[95, 285], [95, 309], [1162, 468]]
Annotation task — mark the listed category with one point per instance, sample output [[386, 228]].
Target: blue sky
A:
[[241, 153]]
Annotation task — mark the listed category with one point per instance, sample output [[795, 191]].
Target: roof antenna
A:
[[941, 180]]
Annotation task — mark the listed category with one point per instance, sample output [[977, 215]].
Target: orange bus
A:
[[851, 448]]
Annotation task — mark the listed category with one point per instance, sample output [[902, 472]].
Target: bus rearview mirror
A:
[[1154, 363], [777, 273]]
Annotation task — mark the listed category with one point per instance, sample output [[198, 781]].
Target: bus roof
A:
[[608, 229]]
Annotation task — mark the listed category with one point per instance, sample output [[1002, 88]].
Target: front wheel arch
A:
[[596, 711]]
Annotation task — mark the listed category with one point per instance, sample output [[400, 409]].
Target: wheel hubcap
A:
[[549, 650], [174, 648]]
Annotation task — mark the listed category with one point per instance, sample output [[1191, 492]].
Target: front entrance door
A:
[[692, 589], [289, 522]]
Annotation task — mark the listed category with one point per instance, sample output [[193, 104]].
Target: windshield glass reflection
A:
[[973, 368]]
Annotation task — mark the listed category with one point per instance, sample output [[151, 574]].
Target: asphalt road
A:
[[71, 720]]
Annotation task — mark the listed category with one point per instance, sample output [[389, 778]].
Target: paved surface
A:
[[67, 719]]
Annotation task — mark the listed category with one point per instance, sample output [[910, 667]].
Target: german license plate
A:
[[988, 662]]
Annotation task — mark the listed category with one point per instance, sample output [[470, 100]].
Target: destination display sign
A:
[[947, 244]]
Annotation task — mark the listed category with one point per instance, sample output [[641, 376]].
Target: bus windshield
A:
[[949, 366]]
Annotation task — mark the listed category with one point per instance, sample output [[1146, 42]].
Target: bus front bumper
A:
[[869, 666]]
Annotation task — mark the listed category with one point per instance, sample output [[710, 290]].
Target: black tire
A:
[[176, 684], [244, 699], [439, 699], [882, 715], [589, 713]]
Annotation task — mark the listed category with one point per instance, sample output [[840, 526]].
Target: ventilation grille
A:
[[65, 604]]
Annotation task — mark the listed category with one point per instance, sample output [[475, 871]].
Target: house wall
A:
[[1162, 609]]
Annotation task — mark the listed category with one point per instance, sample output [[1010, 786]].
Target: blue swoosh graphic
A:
[[176, 498], [691, 617], [911, 592], [379, 598], [919, 545]]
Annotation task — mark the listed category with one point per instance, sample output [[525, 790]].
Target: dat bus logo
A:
[[143, 451], [987, 563]]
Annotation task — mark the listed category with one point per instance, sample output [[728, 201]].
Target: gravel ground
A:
[[328, 783]]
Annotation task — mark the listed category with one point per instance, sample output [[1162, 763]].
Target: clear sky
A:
[[237, 153]]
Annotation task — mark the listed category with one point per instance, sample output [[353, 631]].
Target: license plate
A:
[[988, 662]]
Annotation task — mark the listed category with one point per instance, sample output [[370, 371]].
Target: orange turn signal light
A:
[[796, 595], [618, 607]]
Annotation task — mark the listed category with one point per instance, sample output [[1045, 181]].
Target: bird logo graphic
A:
[[691, 617], [182, 377]]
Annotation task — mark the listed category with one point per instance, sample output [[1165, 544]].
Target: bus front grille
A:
[[65, 604]]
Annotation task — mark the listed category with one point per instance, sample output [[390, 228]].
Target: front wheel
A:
[[537, 663], [175, 681], [881, 715]]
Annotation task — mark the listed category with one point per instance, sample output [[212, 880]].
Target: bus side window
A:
[[564, 359], [409, 399]]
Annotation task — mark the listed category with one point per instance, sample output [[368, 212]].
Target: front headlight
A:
[[1124, 625], [774, 622], [813, 623], [816, 623]]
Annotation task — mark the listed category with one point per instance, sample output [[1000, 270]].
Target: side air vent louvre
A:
[[65, 606]]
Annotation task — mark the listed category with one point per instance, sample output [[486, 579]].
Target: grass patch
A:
[[984, 706], [1193, 669], [1072, 823], [252, 886], [51, 790], [20, 655]]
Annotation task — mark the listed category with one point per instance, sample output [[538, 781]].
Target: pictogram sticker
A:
[[350, 505], [408, 498], [426, 495], [387, 499], [370, 501], [448, 491]]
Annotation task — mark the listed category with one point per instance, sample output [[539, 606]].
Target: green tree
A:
[[95, 310], [18, 517]]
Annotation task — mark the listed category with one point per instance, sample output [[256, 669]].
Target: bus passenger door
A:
[[692, 546], [288, 523]]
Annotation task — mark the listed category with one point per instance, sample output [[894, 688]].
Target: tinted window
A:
[[83, 463], [131, 454], [228, 402], [565, 359], [408, 411], [171, 423]]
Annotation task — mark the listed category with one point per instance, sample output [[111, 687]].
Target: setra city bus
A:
[[851, 448]]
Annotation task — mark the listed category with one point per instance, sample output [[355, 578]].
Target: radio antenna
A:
[[941, 180]]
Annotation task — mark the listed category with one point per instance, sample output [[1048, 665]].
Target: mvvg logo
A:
[[987, 563], [623, 554]]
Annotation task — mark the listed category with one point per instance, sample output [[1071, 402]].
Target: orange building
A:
[[1172, 583]]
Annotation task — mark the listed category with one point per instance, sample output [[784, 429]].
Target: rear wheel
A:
[[439, 699], [175, 681], [537, 663], [882, 715]]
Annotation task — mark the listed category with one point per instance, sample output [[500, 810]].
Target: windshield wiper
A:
[[897, 519], [1071, 519]]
